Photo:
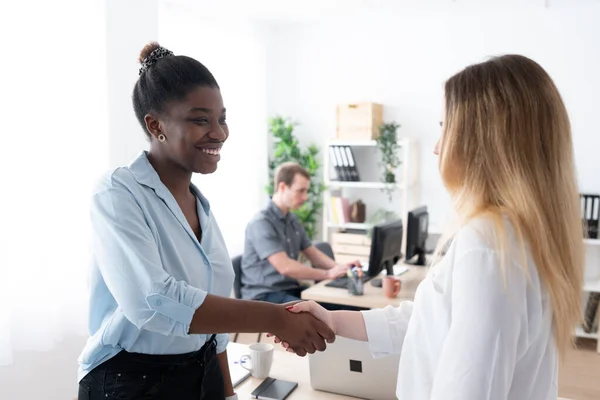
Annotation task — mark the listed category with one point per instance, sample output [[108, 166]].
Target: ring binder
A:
[[336, 167], [351, 163], [344, 174], [590, 213]]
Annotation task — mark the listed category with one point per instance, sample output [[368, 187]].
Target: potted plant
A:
[[286, 148], [387, 143]]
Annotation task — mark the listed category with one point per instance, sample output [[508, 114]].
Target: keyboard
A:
[[342, 282]]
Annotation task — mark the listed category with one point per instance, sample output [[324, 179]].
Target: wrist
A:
[[333, 318], [278, 319]]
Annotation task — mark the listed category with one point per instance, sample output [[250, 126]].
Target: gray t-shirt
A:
[[268, 233]]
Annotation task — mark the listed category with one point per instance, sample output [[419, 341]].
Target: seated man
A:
[[274, 240]]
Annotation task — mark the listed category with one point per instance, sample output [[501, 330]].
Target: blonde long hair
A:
[[507, 151]]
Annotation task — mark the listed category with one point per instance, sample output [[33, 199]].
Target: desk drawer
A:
[[348, 258], [362, 251], [353, 239]]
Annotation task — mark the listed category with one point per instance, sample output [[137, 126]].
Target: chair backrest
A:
[[325, 248], [237, 282]]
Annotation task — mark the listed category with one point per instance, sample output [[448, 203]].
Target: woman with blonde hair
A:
[[494, 315]]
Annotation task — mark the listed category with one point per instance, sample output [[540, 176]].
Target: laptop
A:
[[347, 367]]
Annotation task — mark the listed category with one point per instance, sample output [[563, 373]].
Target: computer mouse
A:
[[377, 282]]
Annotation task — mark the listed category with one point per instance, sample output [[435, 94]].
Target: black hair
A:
[[165, 77]]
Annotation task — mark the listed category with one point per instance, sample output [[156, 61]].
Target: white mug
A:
[[261, 357]]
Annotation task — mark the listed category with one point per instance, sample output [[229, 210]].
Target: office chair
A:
[[325, 248], [237, 285], [237, 282]]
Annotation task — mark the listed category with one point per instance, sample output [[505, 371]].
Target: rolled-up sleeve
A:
[[386, 328], [128, 258], [222, 342]]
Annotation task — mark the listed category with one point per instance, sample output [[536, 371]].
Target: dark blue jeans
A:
[[191, 376], [294, 295]]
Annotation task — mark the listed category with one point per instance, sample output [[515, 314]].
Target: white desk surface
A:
[[373, 296], [286, 366]]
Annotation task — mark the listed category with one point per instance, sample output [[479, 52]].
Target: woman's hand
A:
[[310, 307], [315, 309], [302, 332]]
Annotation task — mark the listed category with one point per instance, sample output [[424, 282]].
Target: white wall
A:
[[50, 375], [234, 51], [130, 25], [53, 57], [401, 58], [68, 148]]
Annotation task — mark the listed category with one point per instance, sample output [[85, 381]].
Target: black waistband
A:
[[170, 359]]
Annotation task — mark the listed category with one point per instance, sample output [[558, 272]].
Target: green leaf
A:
[[387, 144], [286, 147]]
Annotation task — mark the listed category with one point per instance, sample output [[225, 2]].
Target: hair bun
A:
[[150, 54], [149, 48]]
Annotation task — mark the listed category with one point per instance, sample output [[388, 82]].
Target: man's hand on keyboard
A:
[[353, 264], [337, 271]]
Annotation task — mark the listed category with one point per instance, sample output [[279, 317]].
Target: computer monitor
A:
[[386, 247], [416, 235]]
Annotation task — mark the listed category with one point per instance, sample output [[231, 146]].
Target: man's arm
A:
[[318, 258], [268, 245], [294, 269]]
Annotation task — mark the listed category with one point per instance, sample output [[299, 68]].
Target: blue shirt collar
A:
[[272, 207], [145, 174]]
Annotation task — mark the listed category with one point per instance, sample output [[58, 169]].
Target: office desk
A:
[[286, 366], [373, 297]]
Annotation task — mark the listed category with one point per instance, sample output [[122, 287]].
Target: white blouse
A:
[[473, 331]]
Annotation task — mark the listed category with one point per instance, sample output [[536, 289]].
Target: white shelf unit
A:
[[591, 283], [406, 186], [579, 332], [592, 286], [362, 185], [350, 225], [592, 242]]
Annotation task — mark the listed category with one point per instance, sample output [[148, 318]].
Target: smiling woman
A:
[[161, 275], [190, 124]]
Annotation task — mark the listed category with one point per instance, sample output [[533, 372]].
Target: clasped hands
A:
[[307, 328]]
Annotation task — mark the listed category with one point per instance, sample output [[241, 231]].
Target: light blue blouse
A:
[[149, 273]]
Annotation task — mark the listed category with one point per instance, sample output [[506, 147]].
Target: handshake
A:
[[305, 327]]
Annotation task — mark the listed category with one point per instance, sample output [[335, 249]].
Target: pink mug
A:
[[391, 286]]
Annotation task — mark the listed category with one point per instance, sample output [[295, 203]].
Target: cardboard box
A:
[[359, 121]]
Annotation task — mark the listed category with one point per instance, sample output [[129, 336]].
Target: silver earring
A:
[[161, 138]]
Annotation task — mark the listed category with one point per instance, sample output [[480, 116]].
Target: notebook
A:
[[274, 389], [237, 372]]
